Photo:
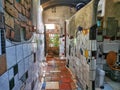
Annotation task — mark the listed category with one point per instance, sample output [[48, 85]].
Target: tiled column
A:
[[93, 56]]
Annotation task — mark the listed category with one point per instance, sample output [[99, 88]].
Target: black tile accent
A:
[[93, 53], [81, 51], [69, 49], [15, 69], [3, 42], [119, 51], [2, 21], [93, 33], [26, 74], [11, 83], [105, 55], [80, 28], [119, 58], [34, 57], [24, 77], [93, 85]]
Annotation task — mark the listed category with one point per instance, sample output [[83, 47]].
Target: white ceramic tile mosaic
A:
[[8, 43], [21, 68], [26, 63], [25, 50], [10, 73], [4, 82], [19, 52], [16, 79], [11, 56]]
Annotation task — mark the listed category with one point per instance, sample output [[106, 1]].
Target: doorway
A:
[[52, 39]]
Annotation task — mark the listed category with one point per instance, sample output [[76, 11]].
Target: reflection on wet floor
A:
[[56, 76]]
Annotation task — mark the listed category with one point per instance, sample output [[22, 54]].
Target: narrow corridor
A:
[[59, 45], [56, 76]]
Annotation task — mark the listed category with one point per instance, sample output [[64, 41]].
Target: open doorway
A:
[[52, 39]]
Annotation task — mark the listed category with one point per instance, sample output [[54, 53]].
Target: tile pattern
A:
[[56, 76], [19, 63]]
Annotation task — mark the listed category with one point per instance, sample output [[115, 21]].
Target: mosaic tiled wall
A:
[[81, 46], [21, 67]]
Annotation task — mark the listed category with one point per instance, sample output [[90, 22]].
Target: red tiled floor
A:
[[56, 71], [48, 79], [63, 74], [56, 78], [73, 86], [65, 86], [66, 80]]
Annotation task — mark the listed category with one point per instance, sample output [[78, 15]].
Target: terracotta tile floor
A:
[[56, 76]]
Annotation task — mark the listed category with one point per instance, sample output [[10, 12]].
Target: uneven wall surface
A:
[[22, 68], [57, 15], [81, 48]]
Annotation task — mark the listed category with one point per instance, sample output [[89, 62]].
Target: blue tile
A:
[[19, 51], [11, 56], [4, 82], [107, 87], [26, 64], [21, 68], [17, 85], [10, 73], [25, 50], [31, 60], [16, 79], [8, 43], [44, 85]]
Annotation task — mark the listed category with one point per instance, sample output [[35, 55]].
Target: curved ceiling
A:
[[50, 3]]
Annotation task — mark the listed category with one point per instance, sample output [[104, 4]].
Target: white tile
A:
[[28, 86], [26, 64], [110, 47], [10, 73], [31, 59], [25, 50], [18, 85], [19, 52], [94, 44], [52, 85], [11, 56], [21, 68], [29, 48], [4, 82], [16, 79], [8, 43]]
